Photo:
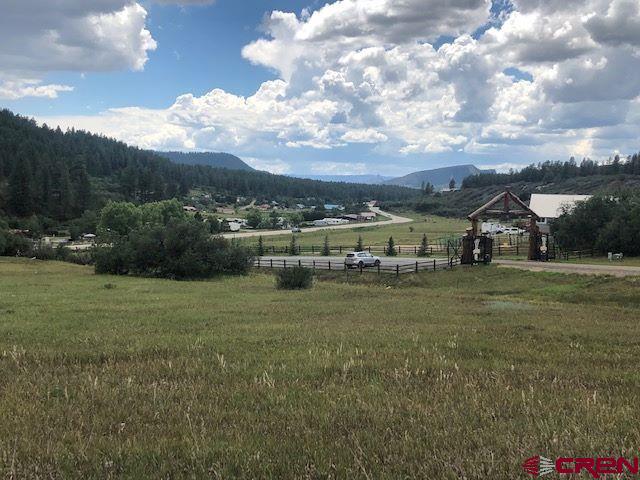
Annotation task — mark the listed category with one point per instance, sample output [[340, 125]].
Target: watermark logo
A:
[[540, 466]]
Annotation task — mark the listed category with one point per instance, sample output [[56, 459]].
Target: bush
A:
[[183, 249], [296, 278]]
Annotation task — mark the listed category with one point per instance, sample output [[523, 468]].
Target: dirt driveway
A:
[[580, 268]]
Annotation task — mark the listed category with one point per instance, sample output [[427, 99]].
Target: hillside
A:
[[438, 177], [211, 159], [60, 175], [462, 202]]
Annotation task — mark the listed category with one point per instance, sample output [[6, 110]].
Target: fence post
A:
[[299, 263], [397, 270], [369, 248], [258, 262], [340, 248], [329, 265], [284, 264], [499, 251], [415, 250], [399, 249], [361, 268], [434, 264], [517, 249], [314, 265], [271, 261], [378, 269], [416, 267]]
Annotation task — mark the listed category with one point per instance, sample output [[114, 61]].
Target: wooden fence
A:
[[396, 269]]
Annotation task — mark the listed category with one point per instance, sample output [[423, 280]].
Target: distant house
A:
[[352, 217], [330, 221], [549, 207], [368, 216], [264, 206], [300, 206], [189, 208], [234, 227]]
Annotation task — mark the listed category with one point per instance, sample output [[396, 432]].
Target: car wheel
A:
[[376, 263], [361, 265]]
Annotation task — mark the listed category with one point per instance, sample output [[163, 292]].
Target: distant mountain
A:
[[365, 179], [438, 177], [211, 159]]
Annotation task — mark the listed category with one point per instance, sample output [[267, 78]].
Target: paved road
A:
[[393, 219], [580, 268]]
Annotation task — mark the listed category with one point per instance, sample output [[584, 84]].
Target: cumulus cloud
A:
[[378, 73], [39, 37]]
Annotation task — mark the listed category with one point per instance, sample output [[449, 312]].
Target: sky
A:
[[345, 87]]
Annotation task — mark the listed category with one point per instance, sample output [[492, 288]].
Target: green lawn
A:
[[459, 374], [434, 227]]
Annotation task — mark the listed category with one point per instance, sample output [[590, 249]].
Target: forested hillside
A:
[[60, 174], [211, 159]]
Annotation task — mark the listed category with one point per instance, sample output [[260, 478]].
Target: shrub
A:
[[296, 278], [183, 249], [360, 244], [293, 246]]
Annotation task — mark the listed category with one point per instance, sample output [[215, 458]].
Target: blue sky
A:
[[351, 86]]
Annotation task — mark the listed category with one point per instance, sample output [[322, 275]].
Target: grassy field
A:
[[459, 374], [434, 227]]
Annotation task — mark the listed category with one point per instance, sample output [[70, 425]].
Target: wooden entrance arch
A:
[[505, 205]]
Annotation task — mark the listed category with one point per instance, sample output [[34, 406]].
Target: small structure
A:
[[478, 248], [549, 207], [368, 216], [190, 208]]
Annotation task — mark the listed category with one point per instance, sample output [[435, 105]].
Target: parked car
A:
[[361, 260], [513, 231], [296, 230]]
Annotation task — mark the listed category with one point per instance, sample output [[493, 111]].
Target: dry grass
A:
[[445, 375]]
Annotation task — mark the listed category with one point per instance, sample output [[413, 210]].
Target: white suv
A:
[[361, 260]]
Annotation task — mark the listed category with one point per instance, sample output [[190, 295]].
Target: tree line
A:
[[60, 175], [549, 172]]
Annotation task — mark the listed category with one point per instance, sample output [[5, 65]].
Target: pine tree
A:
[[326, 249], [359, 245], [81, 186], [20, 200], [260, 246], [423, 251], [452, 184], [391, 248], [293, 246]]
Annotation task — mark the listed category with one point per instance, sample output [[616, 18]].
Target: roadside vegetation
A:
[[452, 374]]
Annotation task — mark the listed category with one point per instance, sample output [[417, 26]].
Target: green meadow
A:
[[455, 374]]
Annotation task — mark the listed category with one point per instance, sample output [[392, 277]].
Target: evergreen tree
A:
[[390, 251], [293, 246], [260, 246], [423, 251], [326, 249], [20, 201], [81, 186], [452, 184], [359, 245]]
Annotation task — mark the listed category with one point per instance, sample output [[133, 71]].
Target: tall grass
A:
[[459, 374]]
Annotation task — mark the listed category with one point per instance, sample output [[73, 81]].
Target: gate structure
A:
[[505, 205]]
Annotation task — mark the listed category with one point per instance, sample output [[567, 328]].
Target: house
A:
[[352, 217], [549, 207], [368, 216], [264, 207], [300, 206], [189, 208], [330, 221], [234, 227]]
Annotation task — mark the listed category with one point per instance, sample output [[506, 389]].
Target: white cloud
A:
[[367, 72], [39, 37], [276, 166], [15, 89]]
